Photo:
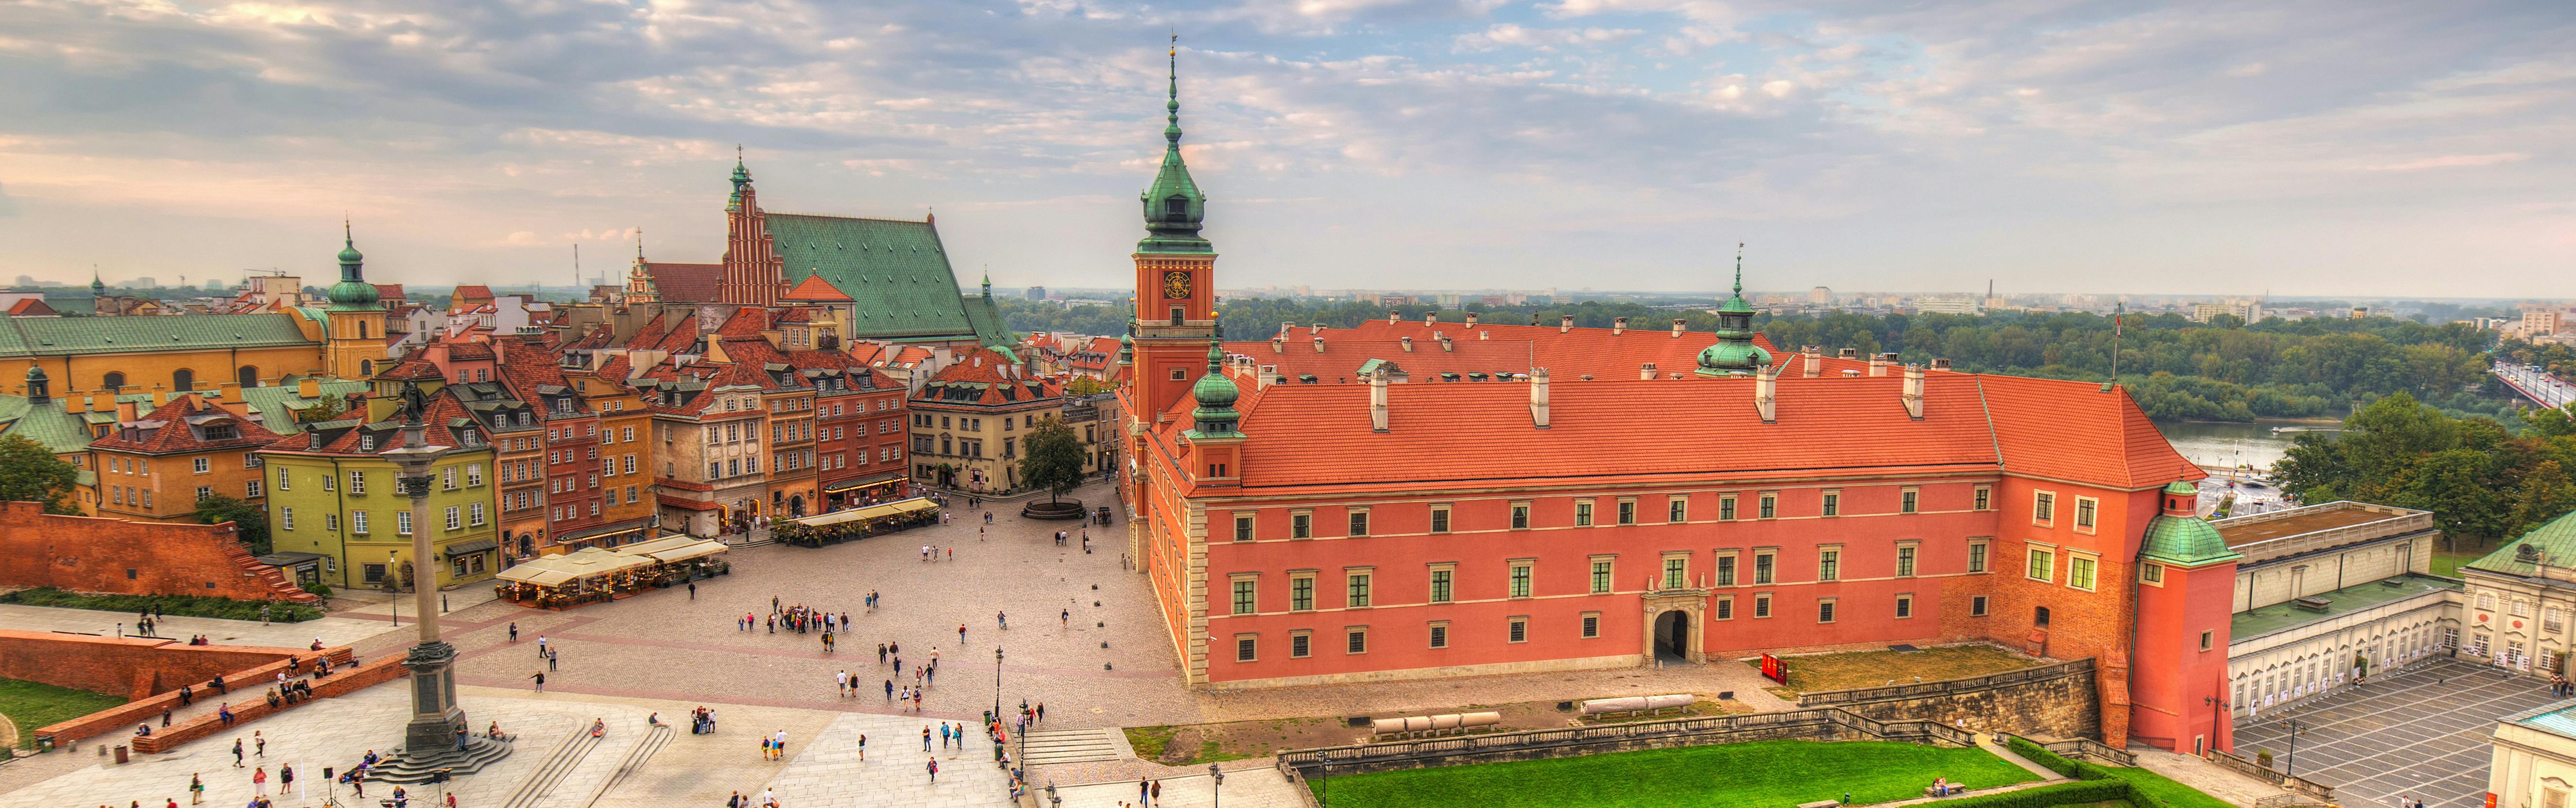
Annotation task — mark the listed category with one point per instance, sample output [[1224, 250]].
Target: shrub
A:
[[2075, 793], [318, 588], [188, 605], [2263, 757]]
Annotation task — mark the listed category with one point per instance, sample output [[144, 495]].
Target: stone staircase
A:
[[1051, 746], [654, 739], [558, 765], [402, 769], [271, 578]]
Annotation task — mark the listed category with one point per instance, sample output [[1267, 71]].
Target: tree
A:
[[1051, 456], [31, 473], [1086, 386], [249, 522]]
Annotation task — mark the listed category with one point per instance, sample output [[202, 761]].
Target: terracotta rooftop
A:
[[685, 283], [814, 289]]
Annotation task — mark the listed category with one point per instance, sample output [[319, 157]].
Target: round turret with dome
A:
[[1734, 352], [353, 292], [1215, 395]]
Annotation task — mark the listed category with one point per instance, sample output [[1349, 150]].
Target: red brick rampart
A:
[[115, 556], [148, 671], [340, 683]]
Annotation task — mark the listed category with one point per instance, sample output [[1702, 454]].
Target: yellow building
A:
[[156, 466]]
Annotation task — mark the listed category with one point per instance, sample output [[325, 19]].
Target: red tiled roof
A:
[[414, 369], [685, 283], [748, 321], [389, 291], [467, 349], [30, 306], [1569, 354], [175, 433], [473, 291], [814, 289], [985, 377], [2069, 430]]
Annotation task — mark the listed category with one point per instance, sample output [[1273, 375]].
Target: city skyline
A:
[[2312, 152]]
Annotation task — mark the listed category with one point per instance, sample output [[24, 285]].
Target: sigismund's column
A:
[[431, 735]]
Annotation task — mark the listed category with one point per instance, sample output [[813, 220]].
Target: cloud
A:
[[2453, 161], [1880, 143], [8, 206]]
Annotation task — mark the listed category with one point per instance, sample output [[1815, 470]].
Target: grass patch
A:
[[35, 704], [185, 605], [2154, 790], [1764, 773], [1150, 741], [1844, 671], [2447, 564]]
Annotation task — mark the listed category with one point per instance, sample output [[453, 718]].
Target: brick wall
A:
[[340, 683], [2058, 700], [148, 671], [114, 556]]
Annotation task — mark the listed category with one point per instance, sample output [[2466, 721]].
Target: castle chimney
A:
[[1407, 342], [1286, 326], [1646, 371], [1564, 323], [1814, 362], [1430, 317], [39, 389], [1677, 328], [1766, 392], [1913, 395], [1445, 345], [1533, 318], [1315, 328], [1483, 334], [1279, 344], [1619, 326], [1538, 397], [1940, 363], [1878, 364], [308, 387], [1471, 318], [1393, 316], [125, 412], [1848, 353], [1319, 344], [1377, 401], [1269, 376]]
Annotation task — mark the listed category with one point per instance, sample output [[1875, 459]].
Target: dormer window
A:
[[221, 432], [366, 443], [1176, 206]]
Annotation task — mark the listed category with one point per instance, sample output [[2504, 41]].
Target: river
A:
[[2230, 445]]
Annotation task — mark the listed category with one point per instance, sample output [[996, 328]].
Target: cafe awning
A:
[[838, 486], [471, 547], [895, 508], [698, 548], [551, 571], [670, 542]]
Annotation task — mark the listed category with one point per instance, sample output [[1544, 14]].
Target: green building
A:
[[331, 492]]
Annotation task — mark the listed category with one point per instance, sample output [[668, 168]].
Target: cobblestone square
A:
[[2422, 732]]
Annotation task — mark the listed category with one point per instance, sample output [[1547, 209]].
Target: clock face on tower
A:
[[1176, 285]]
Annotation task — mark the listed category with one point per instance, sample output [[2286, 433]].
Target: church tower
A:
[[1175, 276], [639, 280], [753, 271], [354, 345]]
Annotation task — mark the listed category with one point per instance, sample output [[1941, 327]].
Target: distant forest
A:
[[2226, 370]]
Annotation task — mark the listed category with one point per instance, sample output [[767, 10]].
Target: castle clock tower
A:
[[1175, 278]]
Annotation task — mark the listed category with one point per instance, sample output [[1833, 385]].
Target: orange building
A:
[[1406, 501], [157, 465]]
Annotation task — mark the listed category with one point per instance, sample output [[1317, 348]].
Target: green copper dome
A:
[[1734, 351], [2184, 541], [1127, 346], [353, 292], [2182, 488], [1173, 206], [1216, 395]]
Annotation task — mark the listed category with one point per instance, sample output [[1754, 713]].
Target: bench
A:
[[1955, 790], [1821, 804]]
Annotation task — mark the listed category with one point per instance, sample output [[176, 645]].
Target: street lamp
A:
[[1216, 789], [2291, 763]]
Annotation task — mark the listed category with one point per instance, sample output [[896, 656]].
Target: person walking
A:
[[259, 782], [693, 590], [237, 753], [933, 766], [196, 789], [961, 634], [889, 689], [285, 779], [1065, 618], [782, 744], [551, 656], [540, 676], [541, 645], [1142, 789], [514, 632], [1157, 796], [925, 737], [1002, 620]]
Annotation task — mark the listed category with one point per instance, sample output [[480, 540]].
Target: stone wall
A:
[[131, 667], [114, 556], [1827, 724], [2052, 700], [378, 671]]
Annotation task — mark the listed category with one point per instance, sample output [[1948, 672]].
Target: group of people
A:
[[702, 721], [2561, 688]]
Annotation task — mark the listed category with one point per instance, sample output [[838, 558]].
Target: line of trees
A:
[[2225, 370], [2479, 478]]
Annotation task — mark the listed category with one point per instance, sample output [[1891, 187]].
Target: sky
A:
[[2223, 148]]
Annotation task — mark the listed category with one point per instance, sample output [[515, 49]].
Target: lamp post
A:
[[1216, 785], [2290, 764]]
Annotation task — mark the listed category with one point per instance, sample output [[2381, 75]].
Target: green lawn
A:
[[189, 605], [2447, 564], [2165, 789], [1763, 773], [34, 704]]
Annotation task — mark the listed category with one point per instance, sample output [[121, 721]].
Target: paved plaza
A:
[[333, 631], [2422, 732], [1084, 638]]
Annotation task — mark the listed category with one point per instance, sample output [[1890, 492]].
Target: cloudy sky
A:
[[2054, 145]]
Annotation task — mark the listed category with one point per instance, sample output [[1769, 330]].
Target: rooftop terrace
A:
[[2282, 534], [2288, 615]]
